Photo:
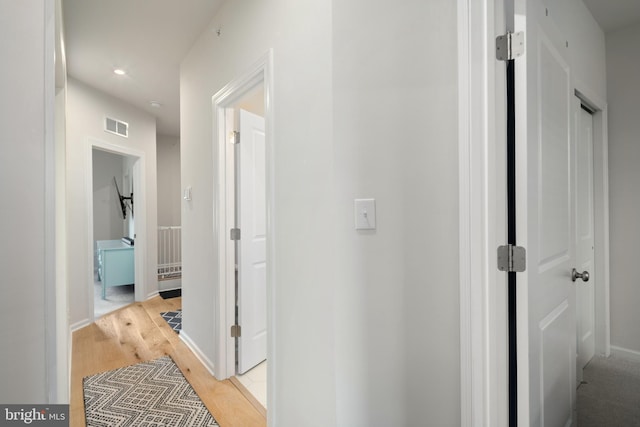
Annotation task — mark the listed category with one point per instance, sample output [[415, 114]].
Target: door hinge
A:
[[235, 137], [236, 331], [509, 46], [235, 234], [512, 258]]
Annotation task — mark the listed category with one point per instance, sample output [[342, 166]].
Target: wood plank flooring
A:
[[138, 333]]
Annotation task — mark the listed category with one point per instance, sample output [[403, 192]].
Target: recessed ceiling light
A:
[[119, 71], [155, 104]]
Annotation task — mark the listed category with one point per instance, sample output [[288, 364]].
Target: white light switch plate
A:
[[365, 212]]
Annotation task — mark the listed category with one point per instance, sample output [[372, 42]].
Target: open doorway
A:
[[113, 231], [242, 118], [118, 261], [250, 217]]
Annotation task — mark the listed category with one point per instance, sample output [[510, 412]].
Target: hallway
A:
[[138, 333]]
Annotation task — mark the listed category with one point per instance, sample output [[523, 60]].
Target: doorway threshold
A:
[[253, 387]]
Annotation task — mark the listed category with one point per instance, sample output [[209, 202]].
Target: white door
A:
[[585, 291], [252, 274], [546, 218]]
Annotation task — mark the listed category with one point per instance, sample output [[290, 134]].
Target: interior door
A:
[[585, 291], [252, 275], [544, 101]]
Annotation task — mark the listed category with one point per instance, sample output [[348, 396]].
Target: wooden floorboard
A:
[[138, 333]]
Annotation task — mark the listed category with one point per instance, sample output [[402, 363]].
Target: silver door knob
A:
[[575, 275]]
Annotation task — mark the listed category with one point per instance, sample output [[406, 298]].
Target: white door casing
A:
[[252, 261], [224, 218], [140, 254], [585, 291], [546, 216], [482, 181]]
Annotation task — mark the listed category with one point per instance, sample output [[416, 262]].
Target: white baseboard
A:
[[625, 353], [196, 350], [170, 284], [79, 325]]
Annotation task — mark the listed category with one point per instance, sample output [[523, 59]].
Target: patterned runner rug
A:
[[174, 319], [151, 393]]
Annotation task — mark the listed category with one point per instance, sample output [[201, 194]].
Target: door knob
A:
[[575, 275]]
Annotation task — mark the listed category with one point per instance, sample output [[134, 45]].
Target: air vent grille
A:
[[116, 126]]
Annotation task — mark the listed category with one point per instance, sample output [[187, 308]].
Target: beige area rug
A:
[[150, 394], [609, 396]]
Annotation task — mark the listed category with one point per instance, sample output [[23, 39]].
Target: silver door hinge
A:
[[236, 331], [235, 234], [235, 137], [509, 46], [512, 258]]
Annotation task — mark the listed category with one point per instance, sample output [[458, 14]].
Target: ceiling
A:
[[146, 38], [149, 38], [613, 15]]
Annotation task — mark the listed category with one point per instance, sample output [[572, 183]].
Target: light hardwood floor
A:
[[138, 333]]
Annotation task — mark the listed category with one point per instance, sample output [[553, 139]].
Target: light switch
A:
[[365, 211]]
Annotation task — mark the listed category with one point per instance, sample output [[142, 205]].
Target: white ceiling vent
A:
[[116, 126]]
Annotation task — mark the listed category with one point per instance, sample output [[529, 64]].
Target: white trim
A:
[[55, 378], [197, 352], [625, 353], [601, 200], [63, 331], [601, 216], [79, 325], [224, 211], [481, 222], [519, 23], [169, 284], [467, 396], [141, 221]]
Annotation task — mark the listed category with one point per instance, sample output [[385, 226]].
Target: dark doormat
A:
[[174, 319], [173, 293]]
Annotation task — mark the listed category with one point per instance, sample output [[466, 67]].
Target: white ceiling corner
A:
[[613, 15]]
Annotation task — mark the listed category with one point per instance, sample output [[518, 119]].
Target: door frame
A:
[[482, 117], [601, 215], [482, 216], [223, 220], [140, 220]]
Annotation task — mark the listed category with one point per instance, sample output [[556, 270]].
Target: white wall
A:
[[26, 171], [169, 193], [86, 109], [395, 139], [586, 48], [365, 99], [623, 69], [300, 33], [108, 223]]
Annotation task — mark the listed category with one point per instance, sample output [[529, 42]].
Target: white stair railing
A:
[[169, 252]]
